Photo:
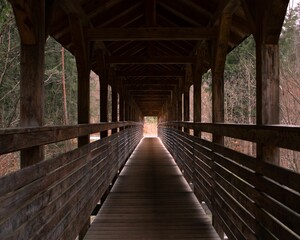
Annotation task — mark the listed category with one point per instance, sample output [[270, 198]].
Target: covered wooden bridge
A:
[[150, 52]]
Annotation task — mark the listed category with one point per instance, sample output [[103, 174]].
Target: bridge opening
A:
[[150, 126]]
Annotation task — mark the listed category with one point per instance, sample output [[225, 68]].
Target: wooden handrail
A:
[[15, 139], [277, 135], [252, 198], [53, 199]]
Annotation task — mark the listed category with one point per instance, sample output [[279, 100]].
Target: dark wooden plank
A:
[[30, 19], [19, 138], [151, 200], [150, 60], [150, 33], [53, 199], [277, 135]]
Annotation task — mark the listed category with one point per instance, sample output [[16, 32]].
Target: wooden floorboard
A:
[[151, 200]]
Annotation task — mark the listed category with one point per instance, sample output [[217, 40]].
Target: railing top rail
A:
[[277, 135], [15, 139]]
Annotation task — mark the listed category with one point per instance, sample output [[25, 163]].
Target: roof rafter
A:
[[150, 60], [150, 33]]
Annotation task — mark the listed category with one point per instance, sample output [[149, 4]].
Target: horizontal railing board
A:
[[284, 136], [233, 216], [53, 198], [282, 176], [242, 213], [263, 185], [247, 186], [20, 138]]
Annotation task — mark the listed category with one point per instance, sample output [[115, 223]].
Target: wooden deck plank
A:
[[151, 200]]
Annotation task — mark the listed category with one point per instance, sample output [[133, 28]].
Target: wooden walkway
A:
[[151, 200]]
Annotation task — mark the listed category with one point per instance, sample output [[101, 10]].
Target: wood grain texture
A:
[[250, 198], [151, 200], [53, 198]]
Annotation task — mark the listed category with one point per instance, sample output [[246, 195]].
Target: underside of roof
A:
[[151, 43]]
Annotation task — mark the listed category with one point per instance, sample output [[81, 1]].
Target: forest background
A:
[[61, 86]]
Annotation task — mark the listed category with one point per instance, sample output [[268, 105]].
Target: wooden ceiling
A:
[[148, 43]]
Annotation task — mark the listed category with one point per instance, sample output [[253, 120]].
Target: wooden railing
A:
[[250, 198], [54, 198]]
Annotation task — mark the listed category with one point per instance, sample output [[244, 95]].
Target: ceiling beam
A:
[[152, 73], [150, 60], [74, 7], [150, 94], [150, 33], [151, 81], [149, 87]]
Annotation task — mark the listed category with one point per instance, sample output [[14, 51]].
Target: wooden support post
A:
[[83, 72], [173, 104], [179, 117], [220, 53], [121, 100], [197, 80], [114, 96], [187, 85], [32, 33], [103, 104], [127, 111], [186, 105], [219, 58], [103, 78], [266, 23], [267, 84], [121, 108], [83, 101]]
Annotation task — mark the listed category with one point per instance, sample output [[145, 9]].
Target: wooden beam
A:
[[152, 73], [30, 19], [74, 7], [225, 7], [114, 97], [150, 92], [220, 52], [151, 81], [197, 80], [267, 102], [219, 59], [266, 17], [150, 19], [103, 104], [26, 20], [150, 34], [179, 97], [186, 98], [269, 20], [150, 13], [103, 78], [143, 87], [50, 9], [83, 72], [150, 60], [249, 14]]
